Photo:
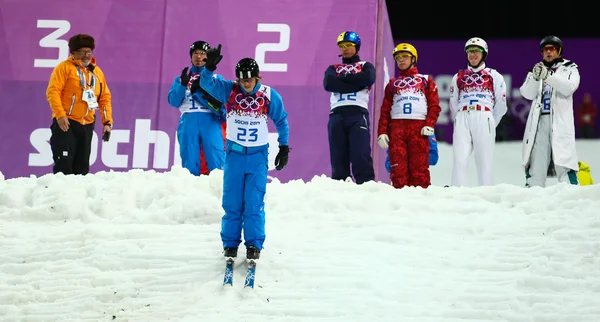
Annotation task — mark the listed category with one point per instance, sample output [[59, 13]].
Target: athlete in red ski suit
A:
[[410, 109]]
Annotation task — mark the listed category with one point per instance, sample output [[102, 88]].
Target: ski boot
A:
[[252, 253], [230, 252]]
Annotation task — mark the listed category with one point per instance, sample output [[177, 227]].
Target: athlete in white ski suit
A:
[[478, 102], [549, 140]]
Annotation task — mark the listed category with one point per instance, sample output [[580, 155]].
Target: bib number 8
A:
[[407, 108]]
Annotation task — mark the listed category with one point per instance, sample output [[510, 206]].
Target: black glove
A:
[[185, 77], [213, 103], [281, 159], [213, 57], [195, 85]]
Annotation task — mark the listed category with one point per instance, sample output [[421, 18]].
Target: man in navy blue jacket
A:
[[349, 129]]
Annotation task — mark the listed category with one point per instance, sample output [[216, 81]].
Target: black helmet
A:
[[246, 68], [552, 40], [202, 45]]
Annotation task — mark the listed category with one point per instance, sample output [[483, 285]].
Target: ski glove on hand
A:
[[540, 71], [383, 140], [195, 85], [281, 159], [544, 73], [213, 57], [537, 69], [185, 77], [427, 130]]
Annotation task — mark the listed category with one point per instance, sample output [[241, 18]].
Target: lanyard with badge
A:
[[88, 94]]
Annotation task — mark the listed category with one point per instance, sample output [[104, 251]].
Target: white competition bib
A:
[[410, 101], [247, 117], [546, 97], [475, 88], [360, 98], [189, 105], [247, 130]]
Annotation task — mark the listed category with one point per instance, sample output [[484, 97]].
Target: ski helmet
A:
[[478, 42], [198, 45], [554, 41], [404, 47], [246, 68], [349, 36]]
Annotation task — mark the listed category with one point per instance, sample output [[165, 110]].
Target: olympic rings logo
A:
[[408, 82], [347, 69], [476, 79], [254, 103]]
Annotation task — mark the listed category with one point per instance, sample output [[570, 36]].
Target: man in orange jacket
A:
[[77, 89]]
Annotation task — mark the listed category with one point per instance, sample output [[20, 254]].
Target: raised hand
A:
[[213, 57]]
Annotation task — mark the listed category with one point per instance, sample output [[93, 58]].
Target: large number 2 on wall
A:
[[282, 45], [247, 135], [52, 41]]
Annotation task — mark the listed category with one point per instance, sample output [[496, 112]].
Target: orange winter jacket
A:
[[65, 92]]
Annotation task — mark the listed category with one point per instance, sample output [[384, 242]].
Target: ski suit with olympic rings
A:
[[477, 102], [410, 102], [349, 126], [247, 151]]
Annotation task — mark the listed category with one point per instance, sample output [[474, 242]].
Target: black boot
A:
[[230, 252], [252, 253]]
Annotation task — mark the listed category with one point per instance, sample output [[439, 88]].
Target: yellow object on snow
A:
[[584, 176]]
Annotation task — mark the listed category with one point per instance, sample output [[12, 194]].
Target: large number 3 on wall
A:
[[282, 45], [52, 41]]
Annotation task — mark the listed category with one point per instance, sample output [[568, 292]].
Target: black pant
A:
[[71, 150], [350, 143]]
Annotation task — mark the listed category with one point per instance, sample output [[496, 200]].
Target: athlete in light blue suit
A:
[[198, 126], [249, 105]]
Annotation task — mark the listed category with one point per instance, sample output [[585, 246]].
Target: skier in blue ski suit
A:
[[198, 126], [433, 154], [248, 106]]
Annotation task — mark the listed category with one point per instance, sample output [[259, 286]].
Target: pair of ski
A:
[[228, 279]]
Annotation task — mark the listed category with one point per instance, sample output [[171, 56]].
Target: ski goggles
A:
[[402, 56], [549, 48], [474, 50], [346, 45]]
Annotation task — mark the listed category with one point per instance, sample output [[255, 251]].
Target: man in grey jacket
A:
[[549, 140]]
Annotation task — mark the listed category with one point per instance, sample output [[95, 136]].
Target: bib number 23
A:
[[247, 135]]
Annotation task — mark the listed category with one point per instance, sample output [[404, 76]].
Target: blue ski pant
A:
[[200, 131], [244, 187]]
